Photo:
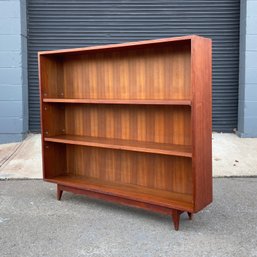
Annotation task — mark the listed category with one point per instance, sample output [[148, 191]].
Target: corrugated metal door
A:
[[65, 24]]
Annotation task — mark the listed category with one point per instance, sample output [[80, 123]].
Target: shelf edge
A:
[[116, 101]]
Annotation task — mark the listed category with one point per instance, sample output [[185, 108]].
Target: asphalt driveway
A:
[[34, 223]]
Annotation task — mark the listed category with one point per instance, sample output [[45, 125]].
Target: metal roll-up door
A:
[[65, 24]]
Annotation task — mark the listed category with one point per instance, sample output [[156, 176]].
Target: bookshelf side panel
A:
[[55, 160], [202, 121], [51, 72], [51, 117]]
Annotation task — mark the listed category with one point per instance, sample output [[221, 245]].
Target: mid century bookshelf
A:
[[130, 123]]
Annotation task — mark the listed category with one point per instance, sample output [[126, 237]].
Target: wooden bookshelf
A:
[[130, 123]]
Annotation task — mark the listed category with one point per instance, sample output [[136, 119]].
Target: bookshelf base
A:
[[175, 214], [63, 184]]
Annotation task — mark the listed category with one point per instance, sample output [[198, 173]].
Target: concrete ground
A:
[[232, 156], [22, 159], [34, 223]]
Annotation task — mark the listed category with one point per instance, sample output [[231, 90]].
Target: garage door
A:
[[65, 24]]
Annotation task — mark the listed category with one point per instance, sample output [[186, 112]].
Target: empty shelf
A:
[[134, 192], [121, 144]]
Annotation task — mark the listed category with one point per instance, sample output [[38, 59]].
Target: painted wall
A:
[[247, 112], [13, 71]]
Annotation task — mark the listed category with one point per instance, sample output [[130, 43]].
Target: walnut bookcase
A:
[[130, 123]]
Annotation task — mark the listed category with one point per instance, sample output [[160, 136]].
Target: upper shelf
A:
[[118, 101]]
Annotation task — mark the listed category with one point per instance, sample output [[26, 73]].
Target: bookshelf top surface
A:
[[119, 46]]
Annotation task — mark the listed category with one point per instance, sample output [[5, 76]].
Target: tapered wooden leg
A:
[[59, 193], [175, 218], [190, 215]]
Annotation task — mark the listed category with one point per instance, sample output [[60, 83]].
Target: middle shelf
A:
[[122, 144], [185, 102]]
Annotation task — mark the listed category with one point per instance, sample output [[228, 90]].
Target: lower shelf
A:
[[133, 192]]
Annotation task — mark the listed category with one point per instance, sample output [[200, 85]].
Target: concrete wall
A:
[[13, 71], [247, 112]]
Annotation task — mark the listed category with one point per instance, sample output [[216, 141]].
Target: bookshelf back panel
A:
[[153, 73], [148, 170], [161, 124], [157, 72]]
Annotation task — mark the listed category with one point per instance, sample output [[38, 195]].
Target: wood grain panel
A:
[[54, 161], [202, 121], [51, 74], [53, 118], [162, 124], [115, 101], [123, 144], [133, 192], [147, 170], [155, 73]]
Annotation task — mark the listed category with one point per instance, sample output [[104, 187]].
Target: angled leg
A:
[[59, 193], [190, 215], [175, 218]]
